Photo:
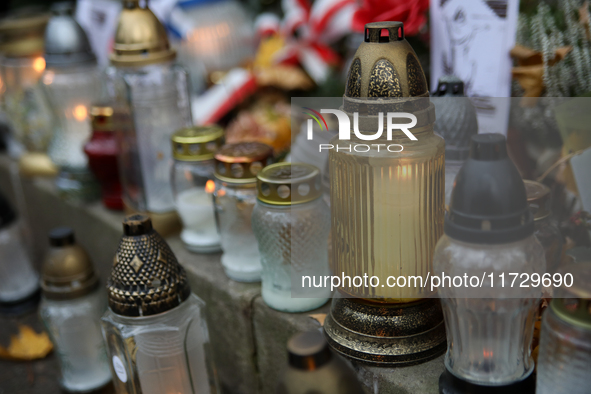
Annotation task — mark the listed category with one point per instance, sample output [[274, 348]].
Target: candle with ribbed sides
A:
[[388, 211], [387, 204]]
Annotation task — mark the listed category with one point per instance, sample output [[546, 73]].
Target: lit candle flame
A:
[[487, 353], [209, 186], [80, 113], [39, 64]]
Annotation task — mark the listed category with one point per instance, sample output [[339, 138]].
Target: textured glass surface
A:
[[387, 211], [233, 207], [165, 353], [18, 279], [489, 336], [74, 328], [193, 187], [564, 361], [70, 93], [292, 242], [156, 97], [24, 103]]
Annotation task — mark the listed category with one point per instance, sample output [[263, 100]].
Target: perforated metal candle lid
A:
[[241, 162], [197, 143], [289, 184], [140, 38], [146, 277]]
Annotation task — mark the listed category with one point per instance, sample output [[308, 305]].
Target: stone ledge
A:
[[248, 337]]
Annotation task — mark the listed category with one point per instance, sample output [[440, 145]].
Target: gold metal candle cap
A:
[[21, 34], [241, 162], [385, 66], [289, 184], [575, 307], [67, 271], [140, 38], [197, 143], [146, 278], [539, 199], [102, 118]]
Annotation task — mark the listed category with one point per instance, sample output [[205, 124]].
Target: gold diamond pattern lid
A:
[[289, 184], [140, 38], [146, 278], [241, 162]]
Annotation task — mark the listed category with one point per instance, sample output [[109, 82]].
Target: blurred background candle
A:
[[192, 185], [71, 83], [456, 122], [102, 151], [216, 36], [148, 86], [313, 368], [539, 200], [18, 280], [564, 360], [28, 113], [71, 308]]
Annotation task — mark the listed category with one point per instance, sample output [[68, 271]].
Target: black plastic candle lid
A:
[[488, 201], [61, 236]]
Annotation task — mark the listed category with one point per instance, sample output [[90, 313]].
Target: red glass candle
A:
[[102, 151]]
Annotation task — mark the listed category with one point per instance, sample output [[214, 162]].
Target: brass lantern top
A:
[[21, 35], [289, 184], [140, 38], [385, 66], [67, 270], [386, 76], [146, 277]]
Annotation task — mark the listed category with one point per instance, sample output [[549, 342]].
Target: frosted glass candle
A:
[[195, 206], [74, 328], [164, 353], [234, 204], [18, 279]]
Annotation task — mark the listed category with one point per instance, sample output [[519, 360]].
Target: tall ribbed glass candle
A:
[[387, 210]]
